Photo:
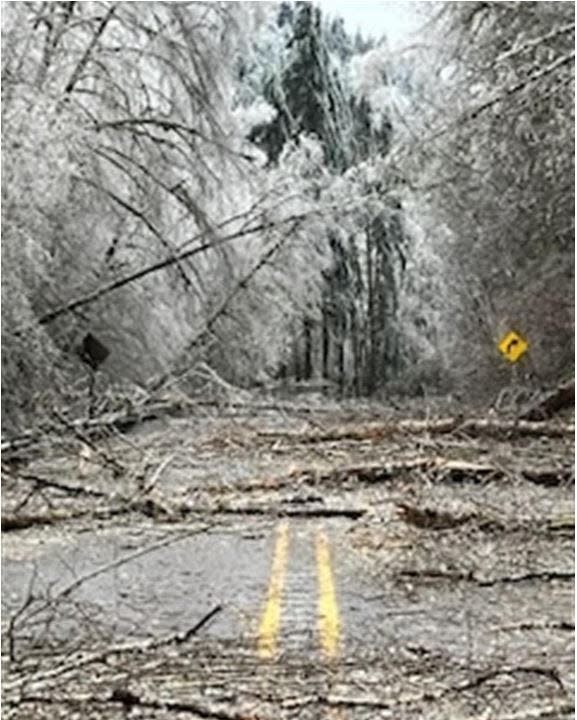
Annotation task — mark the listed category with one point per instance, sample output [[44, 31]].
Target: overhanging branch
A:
[[165, 263]]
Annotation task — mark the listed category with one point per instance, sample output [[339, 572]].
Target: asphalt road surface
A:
[[300, 594]]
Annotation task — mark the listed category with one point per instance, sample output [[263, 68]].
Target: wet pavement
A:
[[320, 617]]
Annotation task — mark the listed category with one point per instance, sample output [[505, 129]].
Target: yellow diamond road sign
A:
[[513, 346]]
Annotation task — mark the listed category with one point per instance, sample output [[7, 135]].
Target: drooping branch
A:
[[517, 87], [169, 125], [225, 304], [88, 52], [165, 263], [146, 221]]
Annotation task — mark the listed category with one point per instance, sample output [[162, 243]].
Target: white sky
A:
[[396, 19]]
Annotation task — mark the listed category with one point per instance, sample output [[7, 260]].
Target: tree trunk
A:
[[308, 349]]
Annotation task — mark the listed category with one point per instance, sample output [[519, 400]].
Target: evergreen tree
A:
[[312, 96]]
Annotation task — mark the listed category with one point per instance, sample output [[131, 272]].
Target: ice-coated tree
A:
[[488, 163], [324, 89]]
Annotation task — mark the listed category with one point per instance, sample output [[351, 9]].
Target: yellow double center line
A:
[[329, 625], [270, 621]]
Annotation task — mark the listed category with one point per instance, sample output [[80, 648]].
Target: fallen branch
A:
[[22, 522], [277, 511], [150, 484], [454, 576], [123, 420], [128, 699], [427, 518], [476, 427], [373, 702], [84, 659], [546, 576], [554, 625], [111, 462], [548, 673], [91, 427], [430, 519], [113, 421], [375, 432], [472, 684], [53, 484], [470, 576], [180, 639], [440, 468]]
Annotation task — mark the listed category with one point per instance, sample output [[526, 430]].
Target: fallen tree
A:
[[474, 427], [438, 468]]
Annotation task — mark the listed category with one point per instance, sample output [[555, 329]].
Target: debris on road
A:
[[452, 548]]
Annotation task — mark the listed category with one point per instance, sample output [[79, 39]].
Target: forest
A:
[[246, 191], [287, 361]]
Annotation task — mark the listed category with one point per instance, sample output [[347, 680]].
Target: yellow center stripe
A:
[[270, 621], [329, 621]]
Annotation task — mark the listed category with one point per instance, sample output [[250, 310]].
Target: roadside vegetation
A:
[[248, 192]]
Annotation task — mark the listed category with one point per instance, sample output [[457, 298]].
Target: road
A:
[[326, 595]]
